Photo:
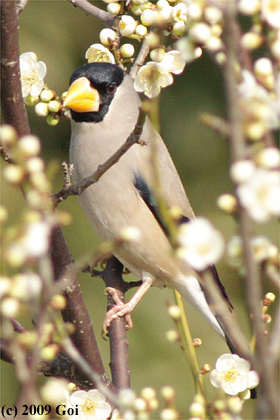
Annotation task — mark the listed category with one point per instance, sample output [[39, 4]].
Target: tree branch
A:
[[117, 331], [78, 189], [94, 11]]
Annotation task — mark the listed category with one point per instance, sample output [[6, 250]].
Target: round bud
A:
[[127, 50], [46, 95], [227, 203], [29, 146], [168, 414], [148, 393], [30, 100], [242, 170], [42, 109], [58, 302], [8, 135], [168, 394], [14, 174], [114, 8], [141, 30], [174, 312], [157, 54], [52, 120], [10, 307], [34, 164], [106, 35], [54, 106]]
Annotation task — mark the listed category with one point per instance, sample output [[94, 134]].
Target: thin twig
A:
[[144, 51], [79, 188], [94, 11]]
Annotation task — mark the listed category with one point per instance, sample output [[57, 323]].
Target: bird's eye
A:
[[111, 89]]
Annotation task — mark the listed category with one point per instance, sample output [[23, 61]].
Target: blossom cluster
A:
[[26, 245]]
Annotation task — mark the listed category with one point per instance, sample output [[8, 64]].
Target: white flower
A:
[[151, 78], [179, 12], [32, 74], [36, 239], [256, 103], [127, 25], [200, 32], [260, 195], [173, 62], [99, 53], [270, 11], [186, 47], [201, 245], [91, 405], [233, 374]]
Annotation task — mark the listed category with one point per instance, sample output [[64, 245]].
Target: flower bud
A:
[[200, 32], [148, 393], [227, 203], [242, 170], [58, 302], [179, 28], [157, 54], [34, 164], [106, 34], [8, 135], [114, 8], [269, 299], [46, 95], [141, 30], [168, 414], [168, 394], [52, 120], [14, 174], [269, 158], [173, 336], [127, 25], [127, 50], [30, 100], [54, 106], [42, 109], [29, 146], [49, 353], [10, 307], [251, 40], [148, 17], [174, 312]]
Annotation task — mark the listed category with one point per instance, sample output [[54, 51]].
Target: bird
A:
[[104, 108]]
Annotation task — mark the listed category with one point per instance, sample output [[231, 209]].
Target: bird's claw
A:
[[119, 310]]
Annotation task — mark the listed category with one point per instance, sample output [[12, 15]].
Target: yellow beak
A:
[[82, 97]]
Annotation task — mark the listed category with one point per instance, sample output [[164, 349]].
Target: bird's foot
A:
[[120, 309], [102, 260]]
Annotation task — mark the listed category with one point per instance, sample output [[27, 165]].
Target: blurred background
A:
[[60, 34]]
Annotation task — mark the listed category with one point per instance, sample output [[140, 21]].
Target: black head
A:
[[105, 78]]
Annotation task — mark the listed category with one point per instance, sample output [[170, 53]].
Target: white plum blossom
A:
[[173, 62], [179, 12], [270, 11], [91, 405], [255, 101], [233, 374], [99, 53], [200, 244], [151, 78], [32, 73], [127, 25], [260, 195]]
